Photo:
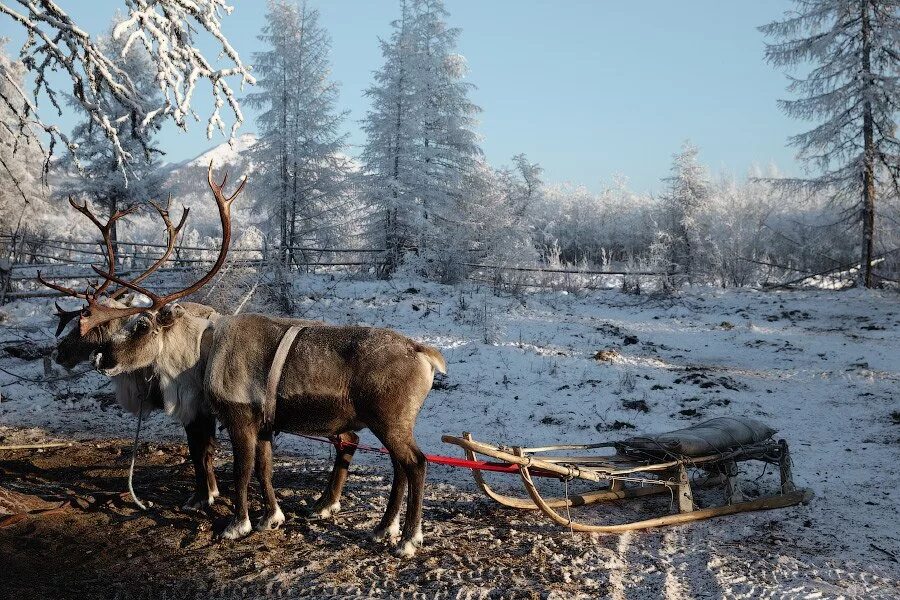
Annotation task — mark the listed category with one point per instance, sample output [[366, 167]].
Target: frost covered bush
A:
[[584, 226]]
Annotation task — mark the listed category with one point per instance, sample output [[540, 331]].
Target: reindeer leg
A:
[[389, 527], [201, 440], [329, 503], [208, 465], [274, 517], [413, 462], [243, 443]]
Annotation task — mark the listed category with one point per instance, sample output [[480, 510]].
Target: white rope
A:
[[134, 450]]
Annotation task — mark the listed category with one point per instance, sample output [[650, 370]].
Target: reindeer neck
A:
[[180, 348]]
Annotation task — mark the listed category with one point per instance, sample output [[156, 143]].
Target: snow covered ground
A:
[[822, 367]]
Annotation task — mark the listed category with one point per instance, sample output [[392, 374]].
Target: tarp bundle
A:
[[710, 437]]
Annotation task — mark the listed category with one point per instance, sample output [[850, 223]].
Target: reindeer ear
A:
[[168, 314], [177, 310]]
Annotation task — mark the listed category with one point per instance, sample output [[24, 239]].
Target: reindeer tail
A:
[[433, 356]]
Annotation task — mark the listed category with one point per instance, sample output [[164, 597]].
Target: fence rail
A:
[[70, 261]]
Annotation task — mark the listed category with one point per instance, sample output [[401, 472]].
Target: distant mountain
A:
[[224, 154], [186, 181]]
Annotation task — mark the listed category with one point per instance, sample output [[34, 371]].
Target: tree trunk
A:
[[393, 241], [113, 232], [292, 225], [294, 138], [283, 184], [868, 199]]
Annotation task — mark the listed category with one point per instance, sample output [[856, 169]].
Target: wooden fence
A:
[[70, 261]]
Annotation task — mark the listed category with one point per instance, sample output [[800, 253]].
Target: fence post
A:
[[5, 279]]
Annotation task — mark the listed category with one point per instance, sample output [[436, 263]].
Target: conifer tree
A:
[[685, 199], [853, 90], [98, 175], [422, 149], [299, 149]]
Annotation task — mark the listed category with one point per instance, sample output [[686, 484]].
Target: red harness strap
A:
[[480, 465]]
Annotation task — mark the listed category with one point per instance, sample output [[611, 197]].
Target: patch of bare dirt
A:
[[99, 545], [102, 546]]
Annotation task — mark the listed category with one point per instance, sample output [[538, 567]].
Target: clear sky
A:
[[590, 89]]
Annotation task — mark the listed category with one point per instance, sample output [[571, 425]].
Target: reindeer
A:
[[139, 391], [264, 375]]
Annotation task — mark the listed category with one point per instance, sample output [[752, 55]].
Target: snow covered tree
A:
[[422, 146], [449, 147], [736, 222], [853, 87], [496, 211], [167, 29], [503, 200], [683, 202], [522, 184], [390, 152], [97, 175], [20, 161], [299, 149]]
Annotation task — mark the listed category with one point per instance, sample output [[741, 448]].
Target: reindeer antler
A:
[[98, 314], [89, 295], [172, 233], [106, 231]]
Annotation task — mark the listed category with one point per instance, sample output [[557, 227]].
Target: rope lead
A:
[[134, 450]]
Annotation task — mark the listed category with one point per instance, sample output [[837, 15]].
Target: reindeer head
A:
[[77, 345], [148, 330], [139, 343], [74, 348]]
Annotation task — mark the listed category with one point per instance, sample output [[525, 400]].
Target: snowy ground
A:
[[822, 367]]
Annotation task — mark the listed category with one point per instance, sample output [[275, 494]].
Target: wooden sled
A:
[[643, 467]]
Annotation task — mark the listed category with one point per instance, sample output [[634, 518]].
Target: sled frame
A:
[[626, 476]]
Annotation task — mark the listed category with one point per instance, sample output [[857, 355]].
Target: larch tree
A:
[[449, 147], [23, 200], [19, 158], [97, 174], [853, 90], [392, 129], [299, 150], [422, 148]]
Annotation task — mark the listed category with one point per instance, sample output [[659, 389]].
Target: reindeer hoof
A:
[[237, 529], [273, 521], [199, 502], [325, 512], [406, 549], [391, 532], [408, 545]]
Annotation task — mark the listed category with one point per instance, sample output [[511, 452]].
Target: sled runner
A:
[[644, 466]]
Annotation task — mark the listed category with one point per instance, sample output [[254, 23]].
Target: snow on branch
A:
[[166, 28]]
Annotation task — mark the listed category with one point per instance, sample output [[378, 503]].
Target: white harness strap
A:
[[278, 365]]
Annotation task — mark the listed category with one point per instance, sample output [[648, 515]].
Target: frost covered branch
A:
[[166, 28]]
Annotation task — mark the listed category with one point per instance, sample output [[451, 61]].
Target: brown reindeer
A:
[[326, 380], [139, 391]]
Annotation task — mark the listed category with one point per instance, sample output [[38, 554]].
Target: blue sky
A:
[[589, 89]]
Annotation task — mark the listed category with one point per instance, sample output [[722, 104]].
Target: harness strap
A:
[[278, 364]]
